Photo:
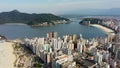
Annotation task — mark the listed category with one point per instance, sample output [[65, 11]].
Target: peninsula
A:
[[88, 21], [99, 23]]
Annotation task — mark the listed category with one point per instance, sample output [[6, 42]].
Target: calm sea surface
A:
[[13, 31]]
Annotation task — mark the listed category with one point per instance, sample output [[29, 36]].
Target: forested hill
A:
[[87, 21], [31, 19]]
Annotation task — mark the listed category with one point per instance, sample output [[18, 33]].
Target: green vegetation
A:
[[89, 54], [30, 19], [37, 65], [17, 47], [88, 21]]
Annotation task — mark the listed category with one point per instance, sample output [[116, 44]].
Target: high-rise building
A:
[[84, 48], [117, 45], [70, 46], [38, 50], [50, 50], [59, 44], [69, 52], [45, 57], [46, 47], [113, 64], [66, 38], [34, 49], [55, 35], [49, 35], [48, 58], [80, 47], [98, 58], [106, 56], [118, 54], [117, 38], [55, 44], [74, 37], [81, 37]]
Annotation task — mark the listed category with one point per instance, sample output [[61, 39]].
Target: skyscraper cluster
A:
[[75, 51]]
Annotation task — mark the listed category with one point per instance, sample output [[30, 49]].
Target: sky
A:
[[56, 6]]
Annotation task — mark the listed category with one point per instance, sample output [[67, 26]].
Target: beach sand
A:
[[7, 58], [105, 29]]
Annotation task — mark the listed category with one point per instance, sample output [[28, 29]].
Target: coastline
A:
[[45, 24], [105, 29], [14, 24], [7, 58]]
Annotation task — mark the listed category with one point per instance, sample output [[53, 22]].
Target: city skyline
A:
[[56, 6]]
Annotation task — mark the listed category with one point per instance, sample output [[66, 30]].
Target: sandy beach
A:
[[7, 58], [105, 29]]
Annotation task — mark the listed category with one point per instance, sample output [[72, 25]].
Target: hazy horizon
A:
[[57, 6]]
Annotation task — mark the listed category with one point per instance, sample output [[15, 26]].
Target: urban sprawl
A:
[[70, 51]]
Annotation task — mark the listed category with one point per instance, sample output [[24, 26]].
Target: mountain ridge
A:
[[15, 16]]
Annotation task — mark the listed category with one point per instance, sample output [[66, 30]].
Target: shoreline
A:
[[7, 56], [14, 24], [105, 29]]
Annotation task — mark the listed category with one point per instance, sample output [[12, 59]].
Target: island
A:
[[44, 19]]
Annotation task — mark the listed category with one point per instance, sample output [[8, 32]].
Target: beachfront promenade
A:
[[7, 58]]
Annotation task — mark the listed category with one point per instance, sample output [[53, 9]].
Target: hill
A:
[[31, 19], [88, 21]]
